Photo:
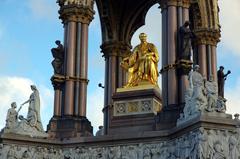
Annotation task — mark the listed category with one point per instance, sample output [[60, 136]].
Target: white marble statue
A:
[[33, 116], [212, 94], [196, 81], [12, 117], [201, 97], [221, 105], [29, 126]]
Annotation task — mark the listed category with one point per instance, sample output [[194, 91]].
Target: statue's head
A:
[[143, 37], [33, 87], [187, 23], [196, 68], [58, 42], [14, 105], [221, 68]]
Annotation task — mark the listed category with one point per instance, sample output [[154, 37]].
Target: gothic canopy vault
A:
[[121, 18]]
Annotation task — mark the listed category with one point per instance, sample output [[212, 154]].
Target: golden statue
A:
[[142, 64]]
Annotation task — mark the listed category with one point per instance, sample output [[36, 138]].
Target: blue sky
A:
[[29, 28]]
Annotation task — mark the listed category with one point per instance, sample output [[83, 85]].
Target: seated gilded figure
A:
[[142, 64]]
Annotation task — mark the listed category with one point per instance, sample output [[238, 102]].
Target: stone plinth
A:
[[69, 127], [199, 138], [134, 109]]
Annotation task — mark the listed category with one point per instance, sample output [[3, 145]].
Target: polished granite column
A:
[[115, 76]]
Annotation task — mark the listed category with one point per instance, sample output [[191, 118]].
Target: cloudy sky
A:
[[29, 28]]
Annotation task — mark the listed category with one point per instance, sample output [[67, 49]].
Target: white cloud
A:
[[230, 22], [17, 89], [43, 8], [233, 96], [94, 108]]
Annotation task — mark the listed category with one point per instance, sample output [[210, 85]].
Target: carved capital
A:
[[207, 36], [57, 81], [115, 48], [172, 2], [186, 3], [76, 13]]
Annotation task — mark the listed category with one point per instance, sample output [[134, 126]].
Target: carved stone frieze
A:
[[198, 144]]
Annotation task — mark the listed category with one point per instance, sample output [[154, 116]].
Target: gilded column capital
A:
[[207, 36], [115, 48], [76, 13]]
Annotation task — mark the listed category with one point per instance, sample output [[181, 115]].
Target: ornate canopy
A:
[[121, 18]]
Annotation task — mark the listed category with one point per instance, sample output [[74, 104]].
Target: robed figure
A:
[[185, 37], [58, 55], [142, 64], [221, 80], [33, 116]]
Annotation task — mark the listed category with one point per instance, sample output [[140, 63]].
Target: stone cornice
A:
[[207, 36], [180, 3], [114, 48], [76, 13]]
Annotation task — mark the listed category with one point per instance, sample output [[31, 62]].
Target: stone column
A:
[[214, 62], [209, 61], [83, 67], [76, 17], [57, 102], [202, 59], [57, 81], [70, 70], [113, 53], [172, 48], [164, 55], [183, 81]]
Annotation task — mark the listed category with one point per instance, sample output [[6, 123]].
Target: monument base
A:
[[69, 127], [134, 109], [204, 137]]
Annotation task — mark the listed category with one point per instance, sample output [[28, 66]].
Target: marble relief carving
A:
[[199, 144]]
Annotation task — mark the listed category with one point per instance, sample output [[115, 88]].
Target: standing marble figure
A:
[[33, 116], [185, 41], [221, 80]]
